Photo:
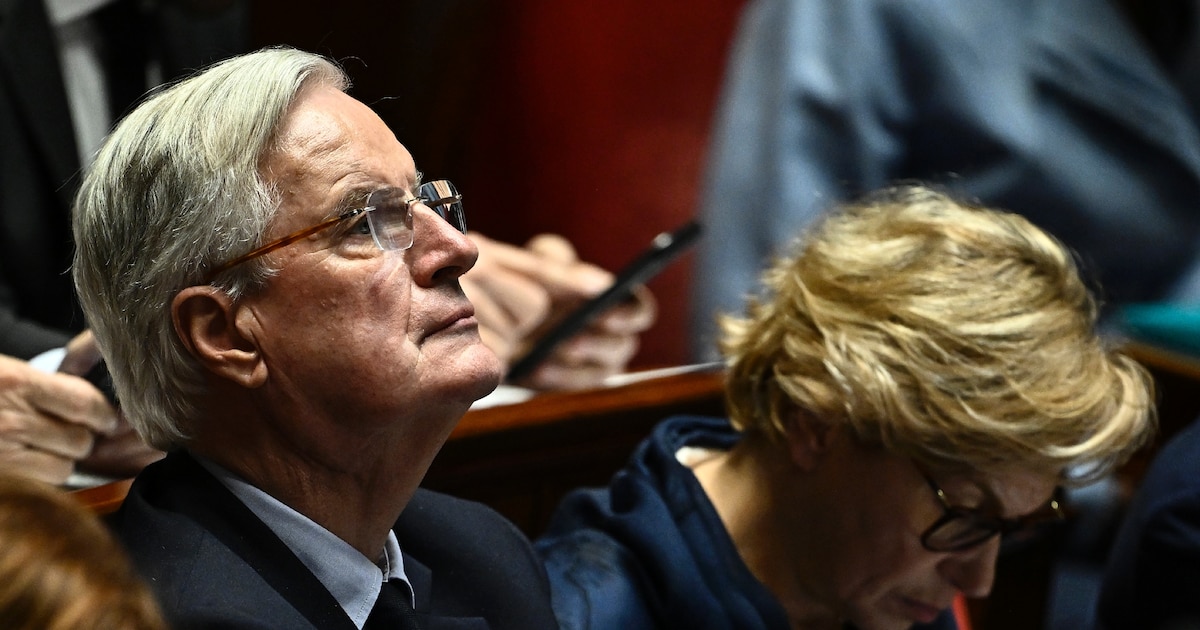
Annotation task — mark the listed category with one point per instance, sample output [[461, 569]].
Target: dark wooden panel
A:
[[521, 459]]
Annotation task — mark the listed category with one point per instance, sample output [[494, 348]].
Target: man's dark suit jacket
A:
[[39, 162], [213, 564]]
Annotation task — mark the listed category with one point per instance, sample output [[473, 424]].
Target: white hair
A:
[[175, 191]]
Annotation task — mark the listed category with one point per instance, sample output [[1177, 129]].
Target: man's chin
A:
[[487, 372]]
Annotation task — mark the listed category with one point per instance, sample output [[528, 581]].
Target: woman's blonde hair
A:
[[954, 334], [61, 569]]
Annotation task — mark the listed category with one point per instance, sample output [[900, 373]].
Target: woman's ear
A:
[[808, 438], [206, 321]]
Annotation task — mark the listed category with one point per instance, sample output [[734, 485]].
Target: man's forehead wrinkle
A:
[[317, 136], [310, 130], [318, 140], [297, 146]]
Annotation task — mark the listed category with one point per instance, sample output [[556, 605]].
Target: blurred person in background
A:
[[1082, 116], [61, 569]]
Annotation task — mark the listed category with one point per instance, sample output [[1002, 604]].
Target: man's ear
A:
[[808, 438], [206, 320]]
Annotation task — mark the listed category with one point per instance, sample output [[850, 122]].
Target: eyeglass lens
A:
[[391, 220], [960, 529], [390, 214], [442, 197], [956, 531]]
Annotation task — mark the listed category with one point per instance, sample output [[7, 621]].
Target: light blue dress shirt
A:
[[352, 578]]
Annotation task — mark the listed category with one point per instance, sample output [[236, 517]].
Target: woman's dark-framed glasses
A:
[[389, 216], [961, 528]]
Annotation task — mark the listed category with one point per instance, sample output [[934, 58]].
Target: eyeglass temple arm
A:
[[283, 242]]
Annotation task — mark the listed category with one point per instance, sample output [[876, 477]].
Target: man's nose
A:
[[440, 252]]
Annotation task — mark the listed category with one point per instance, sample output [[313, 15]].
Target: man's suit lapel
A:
[[198, 495], [421, 578], [433, 530], [29, 69]]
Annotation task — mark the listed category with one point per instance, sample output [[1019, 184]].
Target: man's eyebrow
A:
[[352, 199], [416, 183], [357, 196]]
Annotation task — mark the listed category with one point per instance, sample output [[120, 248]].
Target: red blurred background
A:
[[589, 119]]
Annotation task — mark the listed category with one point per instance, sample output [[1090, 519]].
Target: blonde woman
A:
[[917, 380]]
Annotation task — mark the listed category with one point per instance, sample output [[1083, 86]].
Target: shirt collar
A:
[[352, 578]]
